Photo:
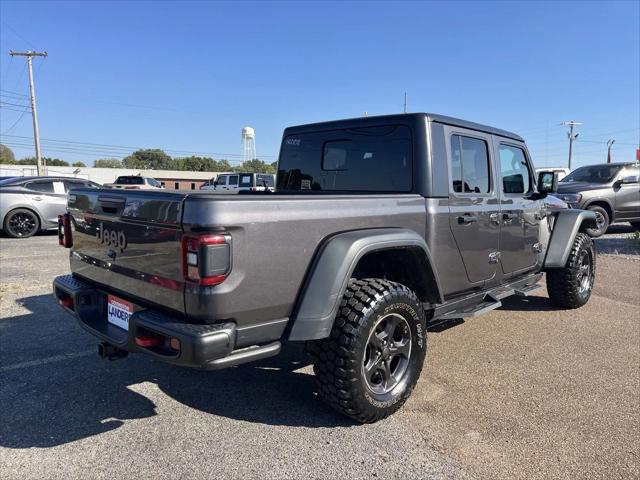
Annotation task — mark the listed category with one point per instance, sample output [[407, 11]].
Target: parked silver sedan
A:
[[31, 204]]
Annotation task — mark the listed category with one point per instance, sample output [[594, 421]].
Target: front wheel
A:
[[570, 287], [602, 222], [371, 362], [21, 223]]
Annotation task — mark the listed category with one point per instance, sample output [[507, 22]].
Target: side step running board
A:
[[528, 290], [471, 311], [245, 355]]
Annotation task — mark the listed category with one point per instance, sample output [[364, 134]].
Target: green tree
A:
[[55, 162], [274, 165], [149, 159], [194, 164], [257, 166], [108, 163], [6, 155], [221, 166], [79, 164]]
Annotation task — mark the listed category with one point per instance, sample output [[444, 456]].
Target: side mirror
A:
[[547, 182], [630, 179]]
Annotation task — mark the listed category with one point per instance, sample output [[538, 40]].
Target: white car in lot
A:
[[235, 182]]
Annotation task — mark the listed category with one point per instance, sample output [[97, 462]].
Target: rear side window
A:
[[245, 180], [372, 159], [469, 165], [264, 181], [514, 170], [233, 180]]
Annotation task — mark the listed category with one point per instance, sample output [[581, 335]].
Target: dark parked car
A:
[[31, 204], [378, 226], [610, 190]]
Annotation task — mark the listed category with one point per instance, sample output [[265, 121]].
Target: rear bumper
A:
[[203, 346]]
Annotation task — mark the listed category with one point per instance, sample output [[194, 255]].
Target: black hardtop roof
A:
[[408, 118]]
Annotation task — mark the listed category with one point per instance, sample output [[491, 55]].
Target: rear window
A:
[[372, 159], [130, 180]]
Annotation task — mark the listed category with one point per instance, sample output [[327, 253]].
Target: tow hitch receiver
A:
[[111, 352]]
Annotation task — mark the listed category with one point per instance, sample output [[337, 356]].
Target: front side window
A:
[[45, 187], [469, 165], [370, 159], [593, 174], [514, 170]]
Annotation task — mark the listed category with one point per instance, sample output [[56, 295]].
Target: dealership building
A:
[[170, 179]]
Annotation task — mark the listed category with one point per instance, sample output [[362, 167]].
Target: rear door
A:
[[473, 202], [130, 242], [628, 195], [520, 216]]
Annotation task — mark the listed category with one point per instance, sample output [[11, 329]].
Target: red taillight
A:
[[148, 340], [206, 259], [64, 231]]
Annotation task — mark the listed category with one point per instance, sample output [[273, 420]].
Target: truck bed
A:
[[274, 238]]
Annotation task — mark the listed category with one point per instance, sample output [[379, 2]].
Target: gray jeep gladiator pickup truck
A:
[[377, 227]]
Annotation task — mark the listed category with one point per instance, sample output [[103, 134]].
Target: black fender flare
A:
[[565, 228], [331, 270]]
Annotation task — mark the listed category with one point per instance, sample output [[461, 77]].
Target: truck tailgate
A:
[[130, 242]]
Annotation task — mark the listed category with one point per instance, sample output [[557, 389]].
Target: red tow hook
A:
[[66, 302], [147, 341]]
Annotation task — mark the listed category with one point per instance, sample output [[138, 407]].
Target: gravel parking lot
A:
[[523, 392]]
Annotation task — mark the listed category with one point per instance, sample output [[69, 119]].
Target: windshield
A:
[[593, 174]]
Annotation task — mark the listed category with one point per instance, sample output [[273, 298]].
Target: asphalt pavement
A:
[[525, 391]]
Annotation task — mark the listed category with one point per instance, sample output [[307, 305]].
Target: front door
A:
[[519, 215], [473, 203]]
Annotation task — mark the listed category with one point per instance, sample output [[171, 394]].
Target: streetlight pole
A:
[[609, 145]]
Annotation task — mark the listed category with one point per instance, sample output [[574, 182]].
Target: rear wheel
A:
[[602, 221], [370, 363], [570, 287], [21, 223]]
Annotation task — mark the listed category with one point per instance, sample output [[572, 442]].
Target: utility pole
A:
[[405, 102], [571, 136], [34, 113], [609, 145]]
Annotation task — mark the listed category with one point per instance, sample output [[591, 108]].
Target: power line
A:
[[14, 124], [128, 149]]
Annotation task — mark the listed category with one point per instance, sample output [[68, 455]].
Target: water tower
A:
[[248, 144]]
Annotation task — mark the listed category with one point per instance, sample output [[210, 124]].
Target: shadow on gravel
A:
[[48, 400], [527, 304]]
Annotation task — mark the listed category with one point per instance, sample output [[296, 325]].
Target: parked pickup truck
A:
[[134, 182], [378, 227]]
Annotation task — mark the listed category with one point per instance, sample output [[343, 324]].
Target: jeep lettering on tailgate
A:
[[112, 238]]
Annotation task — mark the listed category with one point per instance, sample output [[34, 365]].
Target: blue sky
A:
[[187, 77]]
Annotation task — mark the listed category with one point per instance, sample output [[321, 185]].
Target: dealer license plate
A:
[[119, 311]]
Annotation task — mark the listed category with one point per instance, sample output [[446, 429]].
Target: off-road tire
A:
[[595, 232], [339, 359], [564, 285], [635, 225]]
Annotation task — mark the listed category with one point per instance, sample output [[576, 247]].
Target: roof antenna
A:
[[405, 102]]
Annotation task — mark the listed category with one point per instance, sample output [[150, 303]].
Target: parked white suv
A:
[[234, 182]]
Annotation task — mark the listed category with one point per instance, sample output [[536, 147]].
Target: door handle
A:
[[467, 219], [37, 199]]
